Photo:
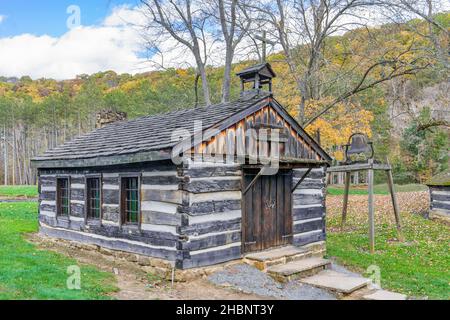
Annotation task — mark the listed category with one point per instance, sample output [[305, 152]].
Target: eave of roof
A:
[[257, 68], [138, 157], [441, 179]]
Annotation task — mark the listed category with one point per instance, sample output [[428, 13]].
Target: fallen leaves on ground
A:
[[358, 212]]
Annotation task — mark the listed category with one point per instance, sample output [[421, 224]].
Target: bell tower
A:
[[256, 80]]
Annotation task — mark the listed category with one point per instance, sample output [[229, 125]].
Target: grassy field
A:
[[417, 267], [18, 191], [378, 189], [29, 273]]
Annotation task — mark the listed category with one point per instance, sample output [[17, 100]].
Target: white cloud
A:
[[116, 44], [2, 18], [125, 15]]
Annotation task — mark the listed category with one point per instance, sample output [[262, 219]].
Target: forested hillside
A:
[[401, 114]]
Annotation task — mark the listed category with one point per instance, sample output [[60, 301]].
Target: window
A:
[[130, 200], [93, 198], [62, 197]]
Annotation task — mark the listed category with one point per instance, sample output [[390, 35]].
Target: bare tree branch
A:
[[187, 27]]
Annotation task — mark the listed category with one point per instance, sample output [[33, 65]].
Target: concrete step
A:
[[297, 269], [385, 295], [336, 281], [265, 259]]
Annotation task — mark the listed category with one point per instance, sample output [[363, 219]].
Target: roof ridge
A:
[[186, 109]]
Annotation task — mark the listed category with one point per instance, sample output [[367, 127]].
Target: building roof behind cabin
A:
[[441, 179], [143, 134]]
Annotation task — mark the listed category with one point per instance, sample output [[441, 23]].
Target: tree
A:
[[436, 31], [185, 22], [425, 150], [306, 29], [235, 22]]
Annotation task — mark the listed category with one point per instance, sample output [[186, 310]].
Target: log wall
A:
[[161, 198], [190, 214], [308, 207], [212, 229], [440, 199]]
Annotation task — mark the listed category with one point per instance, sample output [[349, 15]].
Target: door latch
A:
[[270, 204]]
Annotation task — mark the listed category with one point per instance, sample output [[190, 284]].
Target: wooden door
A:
[[267, 210]]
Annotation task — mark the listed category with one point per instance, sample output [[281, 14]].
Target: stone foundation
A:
[[318, 249], [160, 267]]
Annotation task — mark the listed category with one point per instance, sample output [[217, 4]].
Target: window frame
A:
[[122, 200], [87, 199], [59, 214]]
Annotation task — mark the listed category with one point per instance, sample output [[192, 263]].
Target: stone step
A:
[[336, 281], [319, 246], [297, 269], [385, 295], [265, 259]]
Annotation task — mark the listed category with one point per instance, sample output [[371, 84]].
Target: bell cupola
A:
[[256, 80]]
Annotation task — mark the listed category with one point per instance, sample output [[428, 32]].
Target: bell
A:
[[358, 144]]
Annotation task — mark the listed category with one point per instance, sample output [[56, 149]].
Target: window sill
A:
[[129, 227], [93, 222]]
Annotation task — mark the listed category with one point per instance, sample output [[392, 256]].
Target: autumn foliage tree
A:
[[40, 114]]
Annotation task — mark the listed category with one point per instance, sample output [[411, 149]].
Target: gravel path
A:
[[248, 279]]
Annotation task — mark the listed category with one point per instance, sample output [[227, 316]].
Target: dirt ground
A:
[[134, 284]]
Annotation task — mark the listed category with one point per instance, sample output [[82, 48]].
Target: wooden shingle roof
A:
[[144, 134], [150, 138], [264, 69]]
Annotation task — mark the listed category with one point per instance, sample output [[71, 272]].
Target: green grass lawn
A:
[[18, 191], [418, 267], [378, 189], [29, 273]]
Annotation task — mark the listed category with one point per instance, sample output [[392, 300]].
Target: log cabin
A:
[[195, 187]]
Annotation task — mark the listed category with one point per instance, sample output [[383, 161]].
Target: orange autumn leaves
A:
[[336, 128], [337, 125]]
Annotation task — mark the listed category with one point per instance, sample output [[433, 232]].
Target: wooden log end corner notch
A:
[[123, 191]]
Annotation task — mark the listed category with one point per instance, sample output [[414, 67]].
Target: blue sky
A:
[[50, 16]]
